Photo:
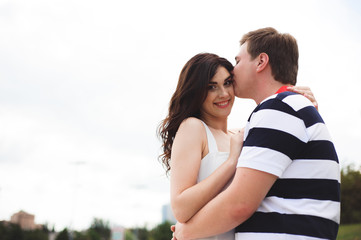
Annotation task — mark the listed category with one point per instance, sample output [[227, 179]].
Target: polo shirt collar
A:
[[282, 89]]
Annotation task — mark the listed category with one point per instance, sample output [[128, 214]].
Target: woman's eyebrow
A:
[[228, 78]]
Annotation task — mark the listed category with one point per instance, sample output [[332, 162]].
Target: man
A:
[[287, 182]]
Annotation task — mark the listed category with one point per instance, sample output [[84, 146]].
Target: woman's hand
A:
[[305, 91], [236, 144], [172, 228]]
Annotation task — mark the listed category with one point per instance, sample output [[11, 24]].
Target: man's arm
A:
[[231, 207]]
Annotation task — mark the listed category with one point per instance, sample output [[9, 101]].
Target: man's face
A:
[[244, 72]]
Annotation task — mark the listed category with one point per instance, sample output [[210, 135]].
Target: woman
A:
[[204, 152]]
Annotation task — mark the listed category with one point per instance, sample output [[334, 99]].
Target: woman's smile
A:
[[222, 104]]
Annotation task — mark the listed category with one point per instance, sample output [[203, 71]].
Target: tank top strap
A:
[[212, 144]]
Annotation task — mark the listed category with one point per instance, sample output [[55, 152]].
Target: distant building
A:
[[118, 233], [25, 220], [167, 214]]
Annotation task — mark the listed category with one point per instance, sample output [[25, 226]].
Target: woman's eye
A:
[[228, 82], [212, 87]]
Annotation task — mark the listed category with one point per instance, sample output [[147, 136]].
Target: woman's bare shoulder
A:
[[191, 123], [191, 127], [191, 133]]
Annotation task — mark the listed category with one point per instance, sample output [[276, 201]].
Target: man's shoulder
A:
[[286, 101], [292, 104], [294, 100]]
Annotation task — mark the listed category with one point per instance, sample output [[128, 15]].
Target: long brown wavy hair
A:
[[188, 98]]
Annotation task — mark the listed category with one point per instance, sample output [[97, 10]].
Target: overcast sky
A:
[[84, 84]]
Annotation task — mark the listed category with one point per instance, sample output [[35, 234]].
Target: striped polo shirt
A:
[[286, 136]]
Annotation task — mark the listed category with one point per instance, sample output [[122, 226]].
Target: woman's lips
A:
[[222, 104]]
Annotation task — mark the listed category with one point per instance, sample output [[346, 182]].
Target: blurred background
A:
[[84, 85]]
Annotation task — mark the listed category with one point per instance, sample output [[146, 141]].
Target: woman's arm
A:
[[188, 196], [305, 91]]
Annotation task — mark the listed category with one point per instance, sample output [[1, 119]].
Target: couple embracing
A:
[[276, 178]]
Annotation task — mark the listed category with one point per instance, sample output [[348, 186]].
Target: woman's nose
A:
[[224, 92]]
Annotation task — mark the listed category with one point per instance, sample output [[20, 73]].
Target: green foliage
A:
[[161, 232], [129, 235], [36, 235], [137, 234], [349, 232], [80, 236], [9, 231], [63, 235], [350, 196], [93, 235], [143, 234], [99, 230]]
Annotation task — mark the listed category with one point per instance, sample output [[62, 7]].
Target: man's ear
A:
[[263, 61]]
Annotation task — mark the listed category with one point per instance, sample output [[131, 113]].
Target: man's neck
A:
[[268, 89]]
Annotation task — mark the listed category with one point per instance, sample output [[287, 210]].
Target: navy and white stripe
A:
[[286, 136]]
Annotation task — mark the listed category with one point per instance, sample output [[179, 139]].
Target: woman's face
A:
[[220, 97]]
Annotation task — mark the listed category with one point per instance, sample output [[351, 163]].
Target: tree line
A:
[[11, 231], [99, 230], [350, 195]]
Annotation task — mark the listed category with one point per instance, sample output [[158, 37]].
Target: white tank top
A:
[[208, 164]]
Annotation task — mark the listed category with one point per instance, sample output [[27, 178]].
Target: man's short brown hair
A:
[[281, 48]]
